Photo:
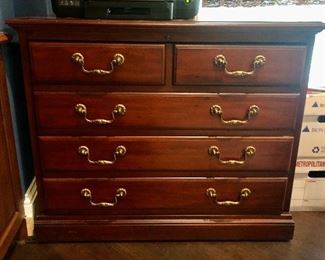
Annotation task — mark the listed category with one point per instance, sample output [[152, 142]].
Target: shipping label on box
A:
[[314, 189], [313, 205], [310, 164], [315, 104], [312, 140]]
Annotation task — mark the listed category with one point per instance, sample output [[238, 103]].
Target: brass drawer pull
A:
[[221, 62], [248, 152], [78, 58], [120, 151], [253, 110], [120, 193], [119, 110], [244, 193]]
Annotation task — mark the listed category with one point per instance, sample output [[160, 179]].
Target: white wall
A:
[[6, 10]]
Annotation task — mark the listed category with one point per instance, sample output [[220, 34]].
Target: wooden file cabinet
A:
[[173, 130]]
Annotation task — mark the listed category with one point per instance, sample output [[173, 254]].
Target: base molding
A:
[[29, 200], [58, 229]]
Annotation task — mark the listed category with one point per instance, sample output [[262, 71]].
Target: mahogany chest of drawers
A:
[[171, 130]]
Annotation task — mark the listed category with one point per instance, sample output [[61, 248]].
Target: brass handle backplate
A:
[[119, 110], [120, 151], [249, 151], [221, 62], [120, 193], [253, 110], [244, 194], [118, 59]]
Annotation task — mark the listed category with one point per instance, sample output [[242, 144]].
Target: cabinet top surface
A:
[[177, 31], [25, 21]]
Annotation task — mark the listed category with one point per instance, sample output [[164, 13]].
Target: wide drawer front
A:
[[165, 153], [239, 65], [174, 196], [98, 63], [73, 111]]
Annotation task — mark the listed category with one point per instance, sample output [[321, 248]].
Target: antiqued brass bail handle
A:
[[120, 151], [118, 60], [244, 194], [249, 151], [120, 193], [252, 111], [221, 62], [119, 110]]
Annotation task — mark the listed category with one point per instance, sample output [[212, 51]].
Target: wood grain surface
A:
[[152, 111], [168, 84]]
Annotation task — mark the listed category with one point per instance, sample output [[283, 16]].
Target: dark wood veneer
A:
[[165, 195], [143, 64], [181, 31], [195, 64], [166, 149], [149, 111], [261, 228], [165, 153]]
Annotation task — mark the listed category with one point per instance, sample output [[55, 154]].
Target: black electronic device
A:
[[127, 9]]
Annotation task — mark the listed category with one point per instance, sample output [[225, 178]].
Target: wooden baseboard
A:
[[29, 199]]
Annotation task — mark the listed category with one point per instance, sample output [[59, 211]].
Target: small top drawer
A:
[[98, 63], [239, 65]]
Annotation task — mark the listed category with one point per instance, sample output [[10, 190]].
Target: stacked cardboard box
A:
[[309, 183]]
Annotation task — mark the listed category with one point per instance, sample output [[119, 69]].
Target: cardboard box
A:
[[315, 104], [313, 205], [314, 189], [308, 193], [298, 189], [296, 205], [314, 195], [305, 165], [312, 139]]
